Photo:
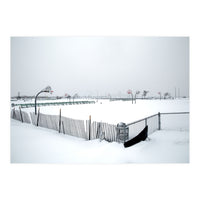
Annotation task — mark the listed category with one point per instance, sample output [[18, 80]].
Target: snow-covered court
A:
[[31, 144]]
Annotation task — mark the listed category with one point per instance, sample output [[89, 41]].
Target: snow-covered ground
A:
[[30, 144], [115, 111]]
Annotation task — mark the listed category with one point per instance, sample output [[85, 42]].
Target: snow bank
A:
[[30, 144]]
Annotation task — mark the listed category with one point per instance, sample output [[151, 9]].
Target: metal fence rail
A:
[[137, 126], [167, 121], [27, 105], [175, 121]]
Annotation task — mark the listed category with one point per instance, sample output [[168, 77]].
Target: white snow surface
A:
[[30, 144], [114, 111]]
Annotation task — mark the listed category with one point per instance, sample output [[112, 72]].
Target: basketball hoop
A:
[[129, 91]]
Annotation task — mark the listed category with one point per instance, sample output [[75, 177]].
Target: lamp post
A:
[[48, 90]]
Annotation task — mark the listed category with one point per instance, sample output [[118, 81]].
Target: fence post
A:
[[14, 115], [159, 122], [145, 121], [122, 132], [98, 129], [132, 97], [63, 127], [59, 121], [38, 116], [89, 126], [21, 114]]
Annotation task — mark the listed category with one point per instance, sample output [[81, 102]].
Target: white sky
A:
[[99, 65]]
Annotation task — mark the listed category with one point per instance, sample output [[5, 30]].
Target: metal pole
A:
[[159, 122], [38, 116], [59, 122], [132, 97], [175, 93], [36, 102], [89, 126]]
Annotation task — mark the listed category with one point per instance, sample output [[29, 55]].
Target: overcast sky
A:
[[99, 65]]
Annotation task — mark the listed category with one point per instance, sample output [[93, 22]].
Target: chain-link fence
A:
[[166, 121], [136, 127], [175, 121]]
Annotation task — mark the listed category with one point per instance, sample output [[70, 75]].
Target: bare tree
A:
[[75, 96], [145, 93], [67, 96], [136, 93], [167, 95], [159, 94]]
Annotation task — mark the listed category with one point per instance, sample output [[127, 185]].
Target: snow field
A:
[[30, 144], [114, 112]]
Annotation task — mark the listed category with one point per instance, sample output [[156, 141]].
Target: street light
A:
[[48, 90]]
